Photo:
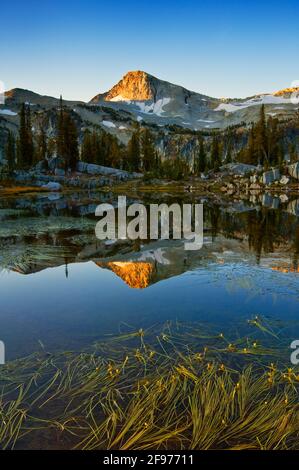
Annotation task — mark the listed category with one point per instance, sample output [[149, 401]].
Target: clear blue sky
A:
[[82, 47]]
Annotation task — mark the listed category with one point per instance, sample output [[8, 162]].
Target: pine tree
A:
[[60, 132], [273, 136], [25, 141], [229, 152], [67, 139], [10, 152], [87, 148], [71, 155], [250, 153], [147, 150], [42, 145], [30, 146], [201, 162], [22, 137], [133, 158], [215, 154], [261, 137]]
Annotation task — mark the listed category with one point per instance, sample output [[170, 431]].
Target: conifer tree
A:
[[133, 158], [273, 136], [22, 137], [42, 145], [71, 155], [60, 131], [30, 146], [250, 152], [215, 154], [229, 152], [293, 153], [147, 150], [25, 141], [67, 139], [261, 137], [201, 163], [87, 153], [10, 152]]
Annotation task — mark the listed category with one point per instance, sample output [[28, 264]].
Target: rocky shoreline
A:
[[232, 180]]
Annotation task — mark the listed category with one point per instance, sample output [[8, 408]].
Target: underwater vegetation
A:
[[175, 387]]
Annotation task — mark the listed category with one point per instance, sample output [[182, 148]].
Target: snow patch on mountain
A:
[[8, 112], [120, 98], [257, 101], [153, 108], [108, 124]]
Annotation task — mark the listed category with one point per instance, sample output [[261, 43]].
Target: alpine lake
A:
[[65, 293]]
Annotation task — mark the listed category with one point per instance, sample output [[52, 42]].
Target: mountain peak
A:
[[134, 86], [286, 91]]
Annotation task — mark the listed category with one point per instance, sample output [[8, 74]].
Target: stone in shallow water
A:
[[271, 176], [52, 186]]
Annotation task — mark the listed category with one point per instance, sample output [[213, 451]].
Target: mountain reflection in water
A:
[[242, 240]]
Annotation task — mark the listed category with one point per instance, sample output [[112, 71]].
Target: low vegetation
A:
[[181, 387]]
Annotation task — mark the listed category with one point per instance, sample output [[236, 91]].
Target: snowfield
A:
[[153, 108], [8, 112], [108, 124], [265, 99], [120, 98]]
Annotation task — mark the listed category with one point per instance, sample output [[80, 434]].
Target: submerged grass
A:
[[179, 388]]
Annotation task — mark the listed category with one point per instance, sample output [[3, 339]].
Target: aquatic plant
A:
[[176, 387]]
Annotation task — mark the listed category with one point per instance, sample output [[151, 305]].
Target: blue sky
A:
[[80, 48]]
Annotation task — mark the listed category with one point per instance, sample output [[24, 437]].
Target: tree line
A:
[[30, 146], [99, 147], [264, 145]]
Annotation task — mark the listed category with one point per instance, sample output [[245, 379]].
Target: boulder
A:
[[294, 170], [59, 172], [284, 180], [238, 168], [283, 198], [293, 207], [254, 178], [55, 162], [269, 201], [52, 186], [270, 176], [93, 169]]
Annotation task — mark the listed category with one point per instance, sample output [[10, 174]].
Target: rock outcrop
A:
[[294, 170], [270, 176], [137, 86]]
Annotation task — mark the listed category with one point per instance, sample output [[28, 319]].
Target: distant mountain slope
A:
[[139, 96], [161, 102], [20, 95]]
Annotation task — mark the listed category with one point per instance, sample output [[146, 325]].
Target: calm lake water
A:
[[61, 288]]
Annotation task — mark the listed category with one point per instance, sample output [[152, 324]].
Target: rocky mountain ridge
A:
[[146, 98], [172, 112]]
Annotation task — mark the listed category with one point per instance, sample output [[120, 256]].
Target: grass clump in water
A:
[[183, 388]]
